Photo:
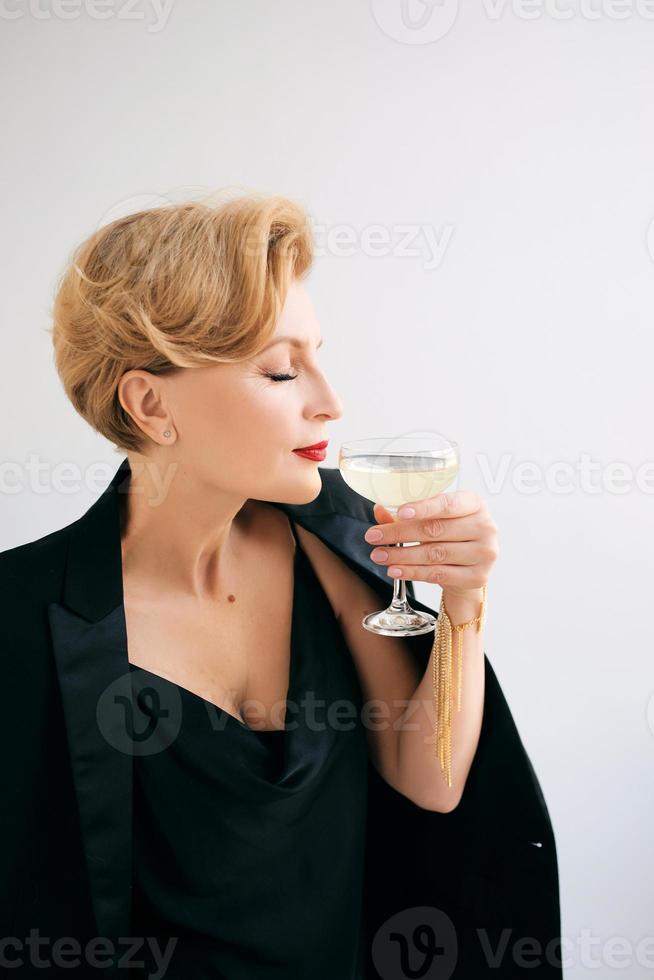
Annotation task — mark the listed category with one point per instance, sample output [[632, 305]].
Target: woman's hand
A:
[[458, 542]]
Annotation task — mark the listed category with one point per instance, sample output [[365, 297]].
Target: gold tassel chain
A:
[[442, 675]]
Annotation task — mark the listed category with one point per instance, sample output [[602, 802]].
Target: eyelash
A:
[[281, 377]]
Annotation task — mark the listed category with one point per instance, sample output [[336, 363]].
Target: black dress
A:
[[249, 845]]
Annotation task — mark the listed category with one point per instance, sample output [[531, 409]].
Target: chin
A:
[[305, 489]]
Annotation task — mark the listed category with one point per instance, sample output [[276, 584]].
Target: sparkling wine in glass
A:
[[392, 472]]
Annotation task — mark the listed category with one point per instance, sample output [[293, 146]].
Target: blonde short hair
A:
[[173, 287]]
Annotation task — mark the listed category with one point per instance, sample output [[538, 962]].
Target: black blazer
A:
[[445, 889]]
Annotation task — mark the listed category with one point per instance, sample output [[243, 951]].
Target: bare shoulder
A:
[[345, 589], [349, 595]]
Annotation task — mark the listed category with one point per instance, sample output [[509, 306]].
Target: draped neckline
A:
[[211, 706]]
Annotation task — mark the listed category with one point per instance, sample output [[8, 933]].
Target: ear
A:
[[382, 516]]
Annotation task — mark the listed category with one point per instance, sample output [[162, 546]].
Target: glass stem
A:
[[399, 588]]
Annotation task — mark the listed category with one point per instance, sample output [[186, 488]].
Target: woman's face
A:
[[236, 427]]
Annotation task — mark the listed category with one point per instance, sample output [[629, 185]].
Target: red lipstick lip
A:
[[316, 445]]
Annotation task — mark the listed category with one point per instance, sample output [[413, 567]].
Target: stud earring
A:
[[167, 432]]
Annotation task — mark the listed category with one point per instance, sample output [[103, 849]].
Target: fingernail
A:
[[373, 534], [406, 512], [395, 571]]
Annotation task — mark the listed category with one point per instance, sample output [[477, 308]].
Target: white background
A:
[[521, 136]]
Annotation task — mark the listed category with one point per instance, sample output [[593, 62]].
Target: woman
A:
[[180, 768]]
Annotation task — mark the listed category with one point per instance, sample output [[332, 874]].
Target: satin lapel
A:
[[89, 641]]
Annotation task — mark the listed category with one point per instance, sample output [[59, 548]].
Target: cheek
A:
[[241, 417], [214, 411], [271, 417], [262, 417]]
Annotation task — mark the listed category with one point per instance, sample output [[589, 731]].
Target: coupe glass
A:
[[392, 472]]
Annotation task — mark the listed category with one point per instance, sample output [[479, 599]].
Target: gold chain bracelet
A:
[[442, 675]]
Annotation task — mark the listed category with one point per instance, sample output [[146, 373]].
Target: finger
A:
[[434, 553], [468, 528], [451, 576], [458, 503], [382, 514]]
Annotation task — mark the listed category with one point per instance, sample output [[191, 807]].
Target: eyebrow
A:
[[291, 340]]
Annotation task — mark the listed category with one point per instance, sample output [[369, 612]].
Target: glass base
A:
[[399, 619]]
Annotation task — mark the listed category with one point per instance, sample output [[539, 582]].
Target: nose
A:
[[332, 407], [335, 405]]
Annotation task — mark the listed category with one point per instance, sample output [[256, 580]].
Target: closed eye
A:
[[281, 377]]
